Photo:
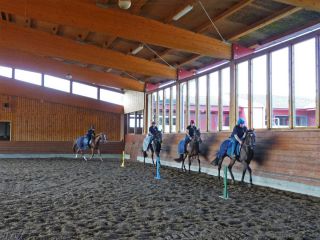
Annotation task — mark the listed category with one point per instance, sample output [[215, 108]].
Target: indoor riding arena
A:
[[160, 119]]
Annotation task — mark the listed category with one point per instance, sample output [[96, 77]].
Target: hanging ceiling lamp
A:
[[124, 4]]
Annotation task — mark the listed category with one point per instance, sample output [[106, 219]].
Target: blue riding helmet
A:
[[240, 121]]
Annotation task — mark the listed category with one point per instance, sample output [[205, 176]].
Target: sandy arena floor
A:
[[71, 199]]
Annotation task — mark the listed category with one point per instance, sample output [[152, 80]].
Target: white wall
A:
[[133, 101]]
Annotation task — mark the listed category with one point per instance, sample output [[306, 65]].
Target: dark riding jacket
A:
[[90, 134], [153, 130]]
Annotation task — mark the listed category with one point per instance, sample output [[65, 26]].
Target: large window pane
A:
[[214, 101], [192, 100], [305, 83], [259, 89], [243, 80], [225, 74], [160, 110], [57, 83], [84, 90], [202, 103], [174, 110], [111, 96], [27, 76], [6, 72], [280, 88], [167, 110], [183, 104]]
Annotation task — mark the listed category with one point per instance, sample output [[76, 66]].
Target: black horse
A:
[[193, 151], [155, 147], [245, 157]]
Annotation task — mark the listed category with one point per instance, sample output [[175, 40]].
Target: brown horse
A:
[[193, 151], [78, 145]]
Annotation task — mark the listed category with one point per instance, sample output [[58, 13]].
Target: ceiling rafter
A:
[[128, 26], [27, 61], [46, 44], [312, 5], [264, 22], [233, 9], [203, 27]]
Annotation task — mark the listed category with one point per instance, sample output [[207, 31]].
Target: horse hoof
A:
[[233, 182]]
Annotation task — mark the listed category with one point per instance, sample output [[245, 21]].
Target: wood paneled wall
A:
[[39, 120], [292, 155]]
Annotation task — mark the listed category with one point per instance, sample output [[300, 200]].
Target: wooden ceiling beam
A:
[[81, 14], [312, 5], [46, 44], [202, 28], [264, 22], [233, 9], [26, 61]]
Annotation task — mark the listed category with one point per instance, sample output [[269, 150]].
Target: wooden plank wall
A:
[[52, 147], [292, 155], [38, 120]]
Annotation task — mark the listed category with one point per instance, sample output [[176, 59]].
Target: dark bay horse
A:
[[245, 157], [193, 151], [78, 145], [155, 147]]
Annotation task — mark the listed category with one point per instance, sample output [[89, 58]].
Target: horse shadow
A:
[[263, 148]]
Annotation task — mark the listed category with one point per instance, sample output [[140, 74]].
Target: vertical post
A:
[[42, 80], [220, 102], [233, 105], [225, 183], [318, 81], [178, 108], [292, 114], [196, 104], [250, 95], [122, 164], [208, 108], [158, 169], [170, 111], [269, 91]]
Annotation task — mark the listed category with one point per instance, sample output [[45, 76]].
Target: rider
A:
[[191, 130], [153, 130], [90, 134], [237, 136]]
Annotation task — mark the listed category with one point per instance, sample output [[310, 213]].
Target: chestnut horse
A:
[[79, 145]]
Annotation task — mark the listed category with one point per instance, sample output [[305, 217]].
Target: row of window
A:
[[62, 85], [274, 90]]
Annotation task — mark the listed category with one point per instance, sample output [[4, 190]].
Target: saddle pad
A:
[[181, 147], [82, 143], [146, 142]]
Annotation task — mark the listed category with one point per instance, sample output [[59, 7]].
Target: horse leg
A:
[[100, 155], [84, 157], [233, 160], [77, 153], [220, 160], [189, 158], [250, 172], [199, 164], [245, 166], [92, 153], [152, 153], [144, 157]]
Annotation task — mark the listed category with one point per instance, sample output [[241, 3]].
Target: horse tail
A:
[[74, 146]]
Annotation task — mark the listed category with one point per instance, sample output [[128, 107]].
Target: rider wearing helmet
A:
[[90, 134], [237, 136], [153, 130], [191, 130]]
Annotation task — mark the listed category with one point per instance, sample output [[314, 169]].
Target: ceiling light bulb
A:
[[124, 4], [182, 12]]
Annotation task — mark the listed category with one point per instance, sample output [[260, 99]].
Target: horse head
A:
[[158, 137], [101, 137], [250, 139], [197, 135]]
